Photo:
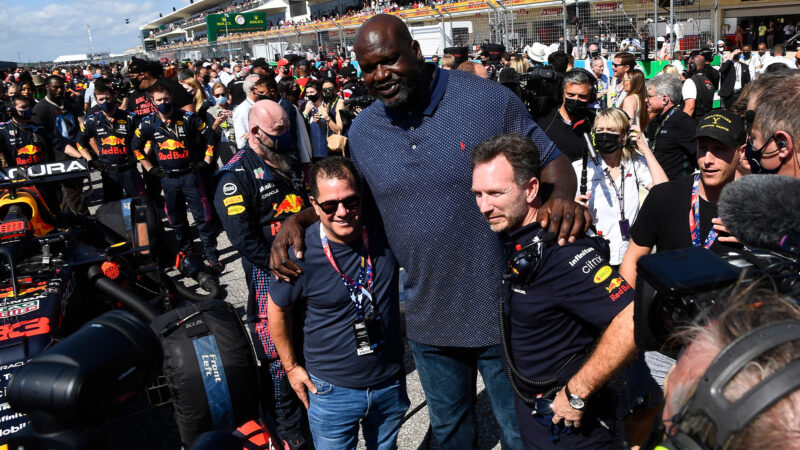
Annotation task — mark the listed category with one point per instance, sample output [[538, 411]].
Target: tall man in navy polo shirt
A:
[[413, 150], [560, 299]]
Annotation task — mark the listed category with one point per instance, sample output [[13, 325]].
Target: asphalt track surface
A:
[[140, 425]]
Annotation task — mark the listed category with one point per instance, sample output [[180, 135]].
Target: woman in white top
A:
[[610, 188]]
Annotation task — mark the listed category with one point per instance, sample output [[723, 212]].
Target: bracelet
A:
[[293, 367]]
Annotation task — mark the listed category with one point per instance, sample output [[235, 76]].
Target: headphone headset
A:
[[592, 83], [731, 417], [524, 262], [781, 143]]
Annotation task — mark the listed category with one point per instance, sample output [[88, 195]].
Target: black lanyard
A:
[[661, 126], [621, 191]]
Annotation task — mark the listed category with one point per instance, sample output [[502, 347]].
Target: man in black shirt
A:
[[678, 214], [58, 116], [673, 131], [565, 126]]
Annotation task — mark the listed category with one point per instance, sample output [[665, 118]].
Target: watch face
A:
[[576, 403], [239, 19]]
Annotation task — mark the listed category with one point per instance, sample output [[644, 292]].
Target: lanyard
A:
[[694, 218], [661, 126], [357, 288], [621, 191]]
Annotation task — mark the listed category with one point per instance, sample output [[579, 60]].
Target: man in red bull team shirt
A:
[[178, 138], [23, 142], [259, 188], [567, 322], [113, 129]]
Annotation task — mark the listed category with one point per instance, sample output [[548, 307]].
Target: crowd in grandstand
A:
[[367, 167]]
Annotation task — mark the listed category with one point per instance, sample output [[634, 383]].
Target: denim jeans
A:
[[334, 413], [447, 378]]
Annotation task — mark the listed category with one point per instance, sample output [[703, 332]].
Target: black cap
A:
[[723, 126], [138, 65], [260, 62]]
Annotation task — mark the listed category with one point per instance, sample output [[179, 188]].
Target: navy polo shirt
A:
[[329, 344], [416, 163], [564, 309]]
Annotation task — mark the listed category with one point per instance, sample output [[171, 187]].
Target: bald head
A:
[[269, 116], [378, 29]]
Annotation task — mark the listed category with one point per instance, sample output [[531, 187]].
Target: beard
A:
[[280, 161], [407, 87]]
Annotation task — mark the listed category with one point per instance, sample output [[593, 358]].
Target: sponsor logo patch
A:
[[19, 309], [232, 200], [229, 188], [235, 209], [602, 274]]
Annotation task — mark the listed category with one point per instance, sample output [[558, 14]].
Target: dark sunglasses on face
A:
[[331, 206]]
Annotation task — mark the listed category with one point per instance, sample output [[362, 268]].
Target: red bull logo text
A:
[[171, 149], [290, 204], [617, 287], [29, 154]]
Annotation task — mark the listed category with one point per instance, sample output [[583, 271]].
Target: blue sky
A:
[[41, 30]]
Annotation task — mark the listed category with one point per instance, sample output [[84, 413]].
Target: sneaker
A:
[[215, 265]]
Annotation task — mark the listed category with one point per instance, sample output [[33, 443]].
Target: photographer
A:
[[562, 303], [578, 92], [698, 417]]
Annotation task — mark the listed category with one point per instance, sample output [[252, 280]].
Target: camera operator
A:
[[698, 417], [560, 299], [577, 93], [699, 87]]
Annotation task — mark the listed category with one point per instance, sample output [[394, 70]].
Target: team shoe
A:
[[215, 265]]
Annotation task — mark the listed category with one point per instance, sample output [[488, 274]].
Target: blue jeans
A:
[[334, 413], [447, 377]]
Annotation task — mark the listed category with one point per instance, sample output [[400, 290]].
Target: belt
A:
[[174, 173], [121, 166]]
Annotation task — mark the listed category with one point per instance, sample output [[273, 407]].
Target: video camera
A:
[[539, 90], [686, 286]]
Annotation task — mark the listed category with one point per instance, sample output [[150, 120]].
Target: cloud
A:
[[42, 31]]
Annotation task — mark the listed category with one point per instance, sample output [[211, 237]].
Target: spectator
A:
[[474, 68], [698, 90], [735, 76], [670, 69], [634, 104], [240, 113], [520, 64], [289, 92], [594, 52], [559, 61], [602, 83], [778, 56], [344, 378], [608, 187], [448, 62], [673, 129], [317, 122], [757, 65], [201, 101], [220, 118], [559, 125], [623, 63]]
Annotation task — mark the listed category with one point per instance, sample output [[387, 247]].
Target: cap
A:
[[138, 65], [348, 71], [38, 80], [226, 65], [723, 126], [96, 76], [261, 62], [283, 62], [206, 64]]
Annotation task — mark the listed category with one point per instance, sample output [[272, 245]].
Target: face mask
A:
[[135, 81], [753, 157], [296, 91], [206, 78], [215, 80], [108, 106], [25, 114], [313, 98], [329, 93], [164, 107], [594, 53], [281, 144], [746, 55], [761, 52], [606, 143], [576, 107], [221, 100], [260, 97]]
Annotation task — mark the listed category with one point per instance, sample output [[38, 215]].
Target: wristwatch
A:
[[574, 401]]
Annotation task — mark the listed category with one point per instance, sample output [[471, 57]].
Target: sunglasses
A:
[[349, 203]]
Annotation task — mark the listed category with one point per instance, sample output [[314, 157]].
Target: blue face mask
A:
[[26, 114], [282, 143], [107, 106], [221, 100], [164, 107]]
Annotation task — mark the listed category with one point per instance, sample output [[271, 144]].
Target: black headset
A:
[[526, 259], [592, 84], [731, 417]]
